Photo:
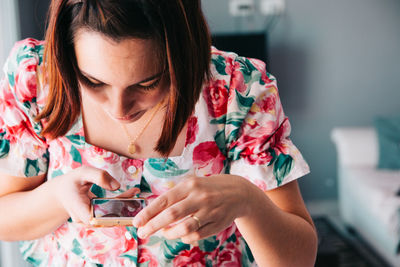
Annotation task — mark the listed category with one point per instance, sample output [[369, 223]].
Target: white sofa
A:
[[367, 195]]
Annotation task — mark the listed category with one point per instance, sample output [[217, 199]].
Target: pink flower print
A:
[[256, 159], [59, 149], [230, 256], [277, 140], [101, 244], [99, 157], [208, 159], [193, 129], [193, 258], [237, 79], [26, 80], [216, 97], [225, 234], [268, 104], [145, 256]]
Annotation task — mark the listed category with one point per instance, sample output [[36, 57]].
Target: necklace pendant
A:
[[132, 148]]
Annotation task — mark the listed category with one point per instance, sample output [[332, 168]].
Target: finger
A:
[[158, 205], [202, 233], [184, 228], [171, 215], [82, 210], [96, 176]]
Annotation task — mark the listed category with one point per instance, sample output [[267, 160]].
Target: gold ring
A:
[[197, 220]]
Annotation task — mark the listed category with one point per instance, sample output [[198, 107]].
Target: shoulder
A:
[[236, 83], [22, 69]]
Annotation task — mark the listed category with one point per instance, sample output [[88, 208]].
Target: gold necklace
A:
[[132, 146]]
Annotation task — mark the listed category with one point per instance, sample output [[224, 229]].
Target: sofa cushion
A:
[[356, 146], [388, 133]]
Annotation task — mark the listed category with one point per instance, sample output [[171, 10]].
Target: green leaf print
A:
[[234, 118], [220, 65], [11, 79], [220, 141], [247, 256], [244, 102], [283, 165], [144, 186], [272, 152], [164, 168], [232, 238], [32, 168], [129, 255], [77, 249], [247, 69], [33, 261], [76, 156], [209, 244], [25, 248], [56, 173], [154, 240], [172, 248], [4, 146], [219, 120], [27, 104], [98, 191], [76, 139], [234, 153], [133, 231], [209, 263]]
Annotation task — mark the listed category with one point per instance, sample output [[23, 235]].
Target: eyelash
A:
[[88, 83]]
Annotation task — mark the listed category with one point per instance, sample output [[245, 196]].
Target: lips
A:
[[129, 118]]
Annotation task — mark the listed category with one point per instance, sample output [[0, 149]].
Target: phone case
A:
[[113, 221]]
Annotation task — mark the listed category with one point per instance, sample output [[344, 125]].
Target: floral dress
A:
[[238, 127]]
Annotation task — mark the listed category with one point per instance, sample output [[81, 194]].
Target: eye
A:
[[89, 83], [149, 85]]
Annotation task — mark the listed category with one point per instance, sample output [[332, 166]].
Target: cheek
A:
[[98, 97]]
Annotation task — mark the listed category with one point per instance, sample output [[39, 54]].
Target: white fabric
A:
[[377, 189], [356, 145]]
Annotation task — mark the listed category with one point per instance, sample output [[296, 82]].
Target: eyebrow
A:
[[143, 81]]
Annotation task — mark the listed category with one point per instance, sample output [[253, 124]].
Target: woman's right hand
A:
[[72, 190]]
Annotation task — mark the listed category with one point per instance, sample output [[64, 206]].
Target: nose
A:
[[120, 104]]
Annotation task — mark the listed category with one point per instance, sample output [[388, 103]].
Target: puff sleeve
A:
[[255, 136], [23, 151]]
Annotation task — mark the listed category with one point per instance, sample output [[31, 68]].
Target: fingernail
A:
[[114, 185], [141, 233], [136, 222]]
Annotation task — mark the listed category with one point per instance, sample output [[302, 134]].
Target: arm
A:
[[31, 208], [23, 216], [290, 238]]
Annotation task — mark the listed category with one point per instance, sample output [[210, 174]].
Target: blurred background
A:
[[337, 64]]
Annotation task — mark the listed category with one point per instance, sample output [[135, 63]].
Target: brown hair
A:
[[177, 26]]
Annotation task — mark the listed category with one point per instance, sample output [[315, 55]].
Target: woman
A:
[[128, 97]]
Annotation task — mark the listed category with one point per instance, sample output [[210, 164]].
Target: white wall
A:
[[9, 27]]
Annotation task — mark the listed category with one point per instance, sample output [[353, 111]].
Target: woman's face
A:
[[123, 78]]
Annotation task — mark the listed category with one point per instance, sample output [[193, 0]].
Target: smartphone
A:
[[107, 212]]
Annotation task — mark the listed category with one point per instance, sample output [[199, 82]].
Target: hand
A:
[[72, 190], [214, 202]]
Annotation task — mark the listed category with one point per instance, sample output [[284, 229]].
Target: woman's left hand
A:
[[196, 208]]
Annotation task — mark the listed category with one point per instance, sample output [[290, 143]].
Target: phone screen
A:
[[111, 208]]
